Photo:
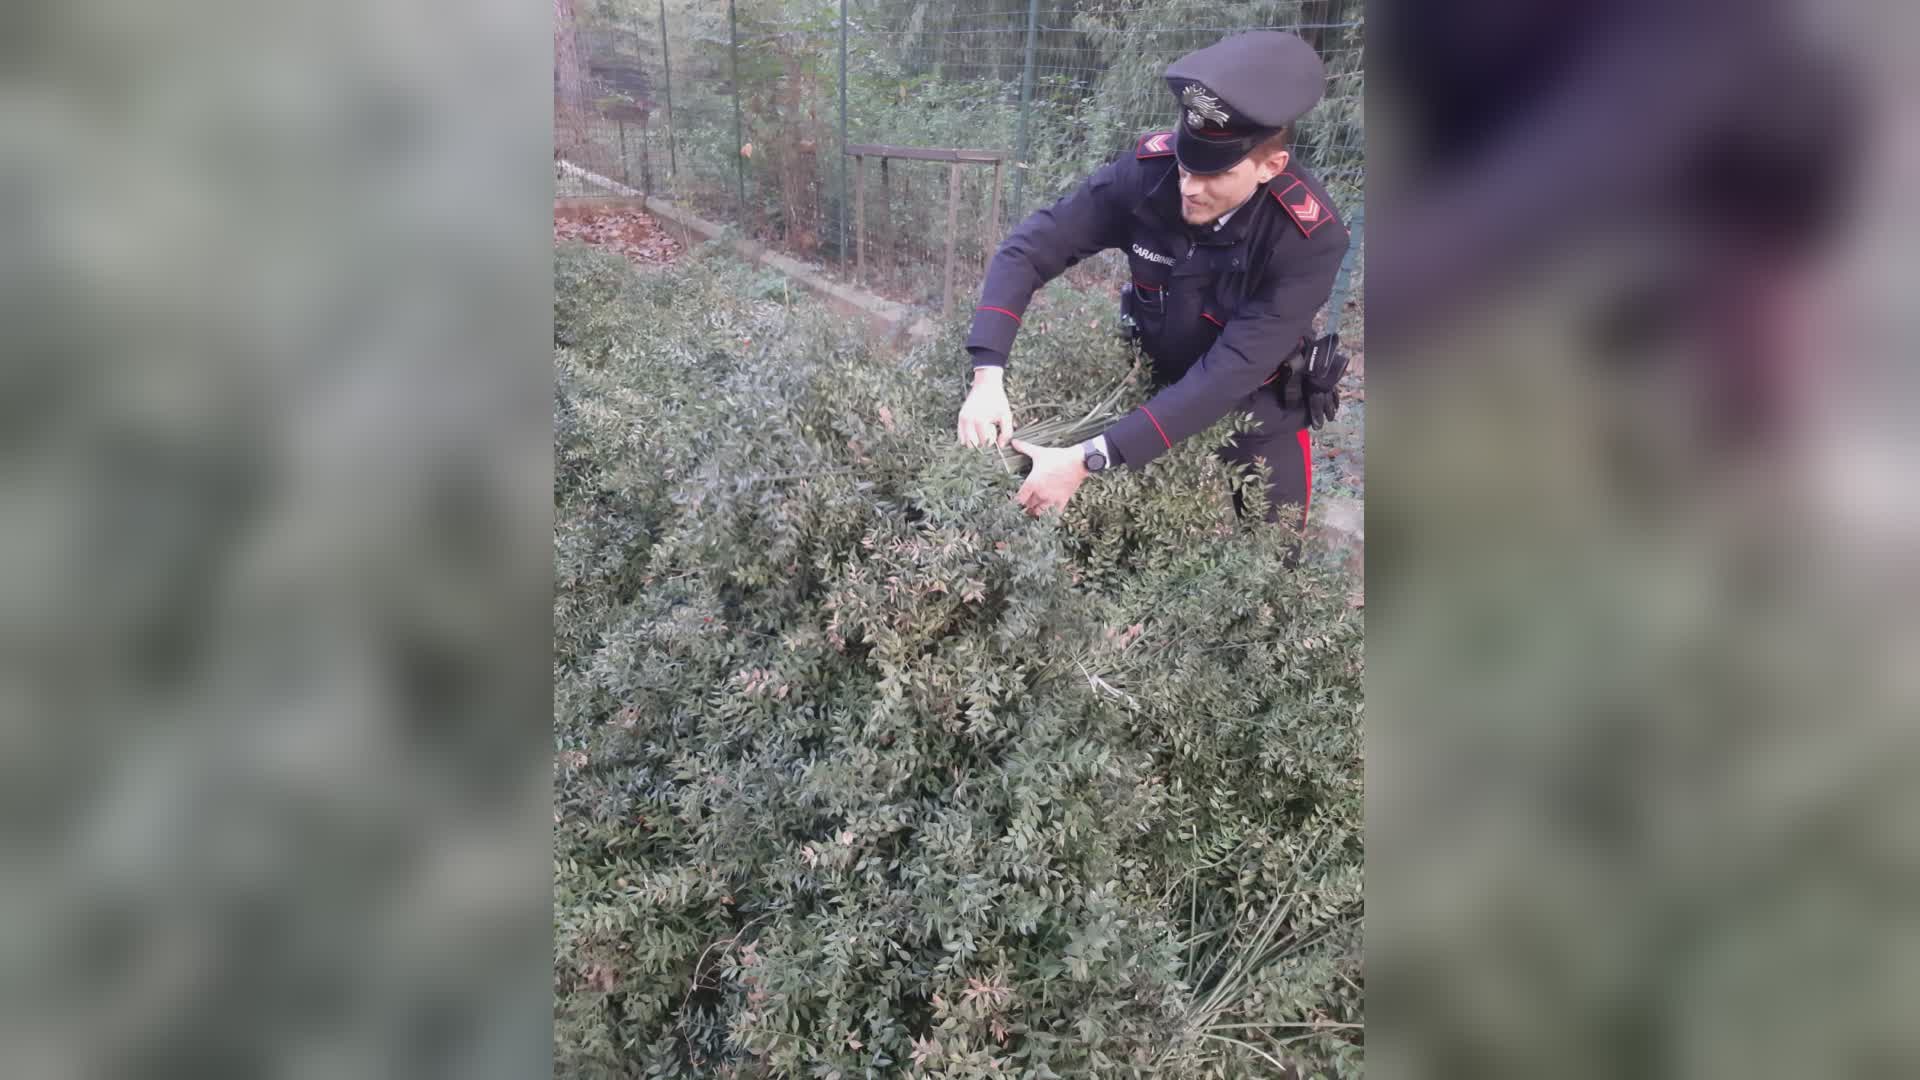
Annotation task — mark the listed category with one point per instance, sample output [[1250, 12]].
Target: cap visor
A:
[[1197, 154]]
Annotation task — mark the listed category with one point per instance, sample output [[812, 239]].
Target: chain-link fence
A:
[[743, 112]]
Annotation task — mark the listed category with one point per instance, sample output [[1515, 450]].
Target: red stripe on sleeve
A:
[[1001, 310], [1281, 368], [1156, 427], [1208, 315]]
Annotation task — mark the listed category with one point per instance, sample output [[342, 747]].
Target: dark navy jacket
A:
[[1219, 311]]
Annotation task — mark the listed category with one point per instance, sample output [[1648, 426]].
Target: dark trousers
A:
[[1282, 439]]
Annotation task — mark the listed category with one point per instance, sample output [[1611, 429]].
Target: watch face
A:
[[1096, 461]]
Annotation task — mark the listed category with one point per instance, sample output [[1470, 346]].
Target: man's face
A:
[[1204, 198]]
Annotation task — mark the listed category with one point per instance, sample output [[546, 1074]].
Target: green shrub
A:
[[861, 772]]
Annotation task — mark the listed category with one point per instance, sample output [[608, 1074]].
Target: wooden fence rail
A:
[[955, 158]]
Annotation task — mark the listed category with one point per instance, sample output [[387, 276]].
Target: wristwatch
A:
[[1094, 453]]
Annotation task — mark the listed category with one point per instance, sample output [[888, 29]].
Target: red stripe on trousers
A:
[[1306, 459]]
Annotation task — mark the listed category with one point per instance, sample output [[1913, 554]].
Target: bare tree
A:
[[569, 85]]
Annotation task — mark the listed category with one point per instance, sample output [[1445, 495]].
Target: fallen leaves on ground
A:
[[632, 233]]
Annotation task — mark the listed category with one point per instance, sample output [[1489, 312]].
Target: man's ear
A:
[[1274, 166]]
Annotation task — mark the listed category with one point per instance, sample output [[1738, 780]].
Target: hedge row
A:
[[861, 772]]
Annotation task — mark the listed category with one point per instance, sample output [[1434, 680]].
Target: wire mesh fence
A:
[[743, 112]]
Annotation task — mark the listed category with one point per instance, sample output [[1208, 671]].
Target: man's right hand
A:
[[986, 419]]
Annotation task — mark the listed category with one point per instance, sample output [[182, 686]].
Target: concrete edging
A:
[[884, 318], [1340, 524]]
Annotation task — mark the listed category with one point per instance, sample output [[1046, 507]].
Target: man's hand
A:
[[1057, 473], [986, 419]]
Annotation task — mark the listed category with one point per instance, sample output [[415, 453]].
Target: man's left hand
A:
[[1057, 473]]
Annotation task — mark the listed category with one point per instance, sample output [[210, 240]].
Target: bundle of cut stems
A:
[[1065, 430]]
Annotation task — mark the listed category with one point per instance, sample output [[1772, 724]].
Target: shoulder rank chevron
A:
[[1307, 211], [1155, 144]]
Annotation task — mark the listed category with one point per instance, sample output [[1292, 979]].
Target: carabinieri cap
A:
[[1240, 91]]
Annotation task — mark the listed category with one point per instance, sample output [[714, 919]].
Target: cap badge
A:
[[1202, 106]]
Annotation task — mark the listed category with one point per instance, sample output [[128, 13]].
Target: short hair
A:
[[1274, 143]]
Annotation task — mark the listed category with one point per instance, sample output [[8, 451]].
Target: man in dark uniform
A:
[[1232, 249]]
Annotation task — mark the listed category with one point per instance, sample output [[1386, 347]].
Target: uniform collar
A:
[[1233, 225], [1162, 207]]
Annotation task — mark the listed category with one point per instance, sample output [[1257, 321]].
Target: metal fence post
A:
[[1026, 105], [646, 156], [666, 88], [739, 138], [993, 216], [843, 131], [624, 178], [953, 230]]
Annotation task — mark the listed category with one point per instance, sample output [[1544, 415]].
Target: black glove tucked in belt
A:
[[1315, 379]]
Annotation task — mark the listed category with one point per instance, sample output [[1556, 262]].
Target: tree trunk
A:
[[569, 86]]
